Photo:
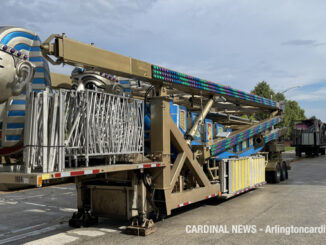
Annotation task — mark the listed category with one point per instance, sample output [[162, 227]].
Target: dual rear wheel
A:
[[279, 174]]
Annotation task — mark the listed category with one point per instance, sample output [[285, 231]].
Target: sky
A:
[[232, 42]]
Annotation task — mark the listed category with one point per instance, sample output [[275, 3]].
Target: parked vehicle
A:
[[309, 136]]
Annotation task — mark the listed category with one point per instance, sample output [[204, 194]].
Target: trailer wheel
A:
[[274, 176], [309, 153], [298, 153], [284, 172]]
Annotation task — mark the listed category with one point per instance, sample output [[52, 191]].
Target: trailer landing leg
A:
[[141, 227]]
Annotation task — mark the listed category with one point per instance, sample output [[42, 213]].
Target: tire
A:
[[274, 176], [284, 172], [298, 153], [309, 153], [322, 151]]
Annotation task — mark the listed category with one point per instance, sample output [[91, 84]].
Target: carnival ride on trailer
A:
[[138, 138]]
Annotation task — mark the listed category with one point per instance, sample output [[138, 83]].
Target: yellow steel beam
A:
[[60, 81], [76, 53]]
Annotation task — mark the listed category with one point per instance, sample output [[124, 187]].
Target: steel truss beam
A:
[[76, 53]]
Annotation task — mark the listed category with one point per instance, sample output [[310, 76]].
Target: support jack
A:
[[141, 227]]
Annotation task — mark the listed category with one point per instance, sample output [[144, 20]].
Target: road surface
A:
[[40, 216]]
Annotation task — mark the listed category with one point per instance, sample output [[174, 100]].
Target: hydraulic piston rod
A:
[[200, 119]]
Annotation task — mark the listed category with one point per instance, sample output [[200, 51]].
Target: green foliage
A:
[[292, 109], [292, 112], [279, 97], [264, 90], [289, 148]]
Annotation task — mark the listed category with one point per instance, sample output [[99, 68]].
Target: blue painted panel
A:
[[15, 125], [37, 59], [225, 155], [218, 128], [147, 120], [39, 69], [39, 81], [18, 102], [6, 39], [197, 137], [174, 112], [21, 46], [250, 151], [13, 137], [208, 130], [124, 82], [16, 113]]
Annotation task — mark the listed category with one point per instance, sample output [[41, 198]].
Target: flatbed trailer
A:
[[140, 140], [17, 179]]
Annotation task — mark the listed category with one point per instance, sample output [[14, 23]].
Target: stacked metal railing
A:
[[75, 125], [241, 174]]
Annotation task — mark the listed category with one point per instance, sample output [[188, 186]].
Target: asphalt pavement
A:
[[40, 216]]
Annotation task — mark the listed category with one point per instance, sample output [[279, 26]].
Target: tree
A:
[[292, 112], [279, 97], [263, 89], [292, 109]]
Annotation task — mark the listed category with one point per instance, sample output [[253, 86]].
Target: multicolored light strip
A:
[[167, 75], [271, 137], [236, 139]]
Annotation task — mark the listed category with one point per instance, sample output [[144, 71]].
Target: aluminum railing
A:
[[67, 128]]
